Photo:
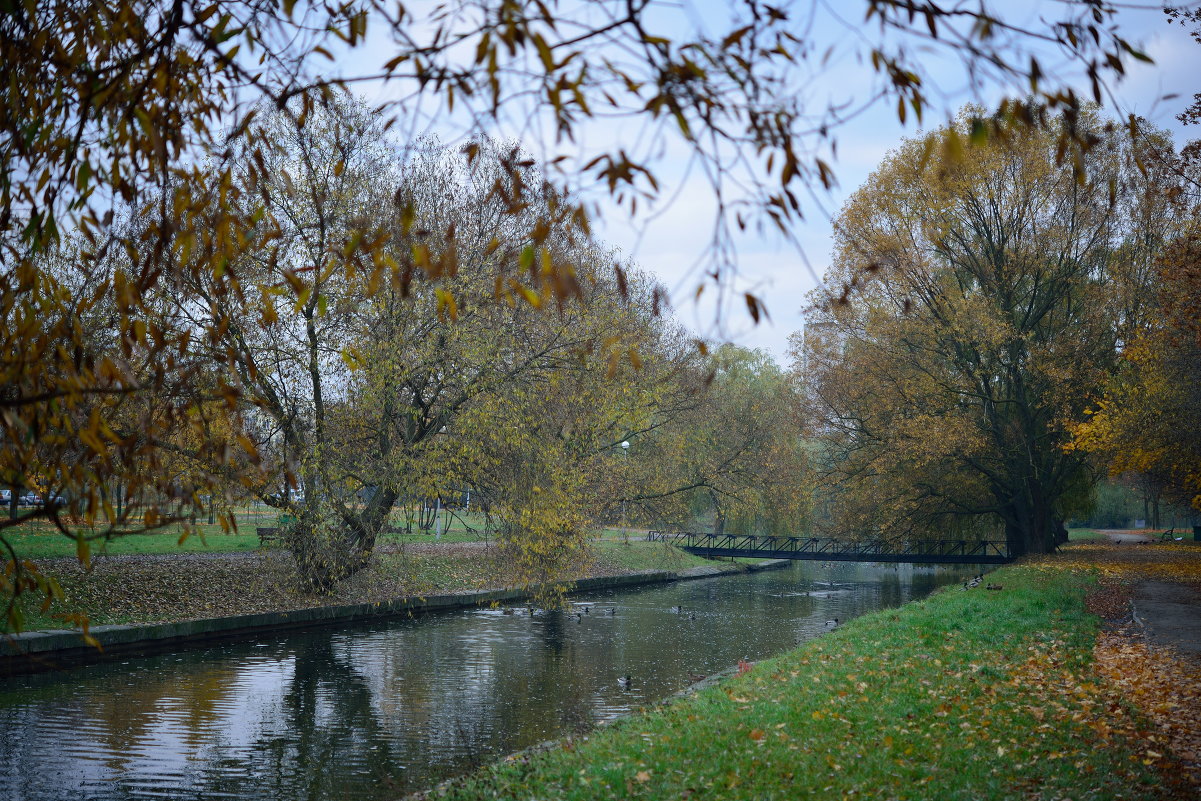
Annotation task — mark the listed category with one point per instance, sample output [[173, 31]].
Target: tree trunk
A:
[[325, 557], [719, 516]]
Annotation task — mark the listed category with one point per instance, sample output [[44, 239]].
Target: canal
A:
[[377, 710]]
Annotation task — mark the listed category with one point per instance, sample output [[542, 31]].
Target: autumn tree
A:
[[1147, 420], [988, 295], [723, 444]]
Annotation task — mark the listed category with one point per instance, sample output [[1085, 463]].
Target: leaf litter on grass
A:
[[1163, 684]]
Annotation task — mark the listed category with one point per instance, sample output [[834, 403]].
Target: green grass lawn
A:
[[967, 695], [1086, 535], [40, 540]]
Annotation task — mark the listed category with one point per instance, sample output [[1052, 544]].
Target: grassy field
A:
[[970, 694], [40, 540]]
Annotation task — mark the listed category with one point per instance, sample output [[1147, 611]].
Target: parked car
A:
[[5, 497], [29, 499]]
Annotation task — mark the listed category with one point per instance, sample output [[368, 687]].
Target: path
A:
[[1169, 613], [1154, 664]]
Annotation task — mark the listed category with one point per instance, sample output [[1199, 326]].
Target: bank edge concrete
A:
[[35, 651]]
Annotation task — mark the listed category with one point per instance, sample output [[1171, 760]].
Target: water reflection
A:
[[375, 711]]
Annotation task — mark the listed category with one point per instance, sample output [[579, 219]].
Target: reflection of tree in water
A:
[[323, 741]]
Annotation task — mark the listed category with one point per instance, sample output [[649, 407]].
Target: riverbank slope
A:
[[1035, 689], [139, 589]]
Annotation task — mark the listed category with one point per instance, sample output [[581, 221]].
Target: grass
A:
[[641, 555], [1086, 535], [966, 695], [40, 540]]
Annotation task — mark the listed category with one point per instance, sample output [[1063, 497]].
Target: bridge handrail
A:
[[832, 545]]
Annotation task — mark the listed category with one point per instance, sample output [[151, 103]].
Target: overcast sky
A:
[[670, 238], [670, 245]]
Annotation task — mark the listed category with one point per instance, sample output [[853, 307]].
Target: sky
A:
[[670, 237]]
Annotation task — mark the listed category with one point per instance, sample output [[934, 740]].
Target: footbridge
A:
[[939, 552]]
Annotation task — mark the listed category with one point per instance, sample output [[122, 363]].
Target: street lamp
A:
[[625, 448]]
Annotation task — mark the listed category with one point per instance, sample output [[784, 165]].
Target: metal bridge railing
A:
[[872, 550]]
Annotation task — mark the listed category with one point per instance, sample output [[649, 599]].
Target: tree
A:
[[723, 444], [944, 389], [362, 396], [1147, 420]]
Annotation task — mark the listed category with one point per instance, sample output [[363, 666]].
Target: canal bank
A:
[[34, 651], [1012, 689]]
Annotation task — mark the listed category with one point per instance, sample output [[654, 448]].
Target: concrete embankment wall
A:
[[36, 651]]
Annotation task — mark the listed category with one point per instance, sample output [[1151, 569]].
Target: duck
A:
[[994, 587], [579, 618], [624, 682], [832, 623], [612, 610], [677, 609], [508, 610]]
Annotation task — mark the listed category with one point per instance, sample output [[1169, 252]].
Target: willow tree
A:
[[993, 293], [727, 448], [362, 387]]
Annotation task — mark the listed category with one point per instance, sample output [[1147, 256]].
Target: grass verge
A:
[[971, 694]]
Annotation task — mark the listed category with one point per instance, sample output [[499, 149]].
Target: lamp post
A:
[[438, 505], [625, 448]]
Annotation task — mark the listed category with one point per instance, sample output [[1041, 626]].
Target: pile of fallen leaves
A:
[[1164, 686], [1175, 561], [189, 586], [1109, 600]]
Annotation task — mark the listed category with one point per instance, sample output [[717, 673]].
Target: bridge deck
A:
[[834, 550]]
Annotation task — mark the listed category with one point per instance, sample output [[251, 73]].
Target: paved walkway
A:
[[1170, 613]]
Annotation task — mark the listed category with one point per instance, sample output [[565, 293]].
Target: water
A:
[[375, 711]]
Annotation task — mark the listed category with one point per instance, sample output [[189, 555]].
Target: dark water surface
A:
[[375, 711]]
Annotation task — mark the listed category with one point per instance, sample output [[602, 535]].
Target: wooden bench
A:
[[269, 536]]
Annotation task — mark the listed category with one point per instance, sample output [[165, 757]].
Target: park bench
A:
[[269, 536]]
